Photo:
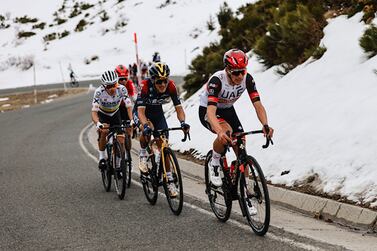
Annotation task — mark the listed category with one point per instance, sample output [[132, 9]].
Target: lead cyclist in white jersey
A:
[[105, 110], [216, 111]]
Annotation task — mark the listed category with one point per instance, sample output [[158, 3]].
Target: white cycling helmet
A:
[[109, 77]]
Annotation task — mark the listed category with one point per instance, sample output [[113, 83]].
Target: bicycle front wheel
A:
[[106, 179], [254, 197], [221, 203], [120, 172], [173, 188], [150, 182]]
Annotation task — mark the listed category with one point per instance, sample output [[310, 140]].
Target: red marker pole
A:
[[137, 61]]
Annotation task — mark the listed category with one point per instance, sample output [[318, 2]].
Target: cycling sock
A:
[[170, 177], [215, 158], [143, 152], [101, 154]]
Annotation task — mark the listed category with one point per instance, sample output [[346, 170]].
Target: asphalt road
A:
[[52, 197]]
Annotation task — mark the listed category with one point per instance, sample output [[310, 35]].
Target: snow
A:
[[323, 111], [4, 99]]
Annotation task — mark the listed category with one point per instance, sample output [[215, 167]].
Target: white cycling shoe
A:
[[143, 164], [215, 176]]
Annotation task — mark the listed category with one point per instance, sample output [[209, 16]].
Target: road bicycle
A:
[[115, 154], [127, 152], [157, 162], [243, 181]]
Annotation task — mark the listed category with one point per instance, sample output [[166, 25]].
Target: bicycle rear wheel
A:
[[220, 201], [175, 201], [150, 182], [128, 167], [120, 173], [254, 197]]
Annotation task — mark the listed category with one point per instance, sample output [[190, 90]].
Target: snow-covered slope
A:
[[169, 30], [324, 113]]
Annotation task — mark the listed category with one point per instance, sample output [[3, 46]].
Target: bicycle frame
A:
[[164, 143]]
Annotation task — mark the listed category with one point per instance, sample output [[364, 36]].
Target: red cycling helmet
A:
[[122, 71], [235, 59]]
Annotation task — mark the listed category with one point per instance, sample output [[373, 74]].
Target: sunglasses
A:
[[161, 81], [237, 72], [110, 86], [122, 79]]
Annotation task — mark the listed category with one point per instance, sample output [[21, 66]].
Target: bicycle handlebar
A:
[[186, 134], [241, 134]]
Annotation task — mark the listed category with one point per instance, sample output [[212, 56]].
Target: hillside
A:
[[105, 41]]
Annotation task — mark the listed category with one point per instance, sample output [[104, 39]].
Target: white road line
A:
[[203, 211]]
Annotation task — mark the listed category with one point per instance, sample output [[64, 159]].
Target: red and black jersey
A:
[[150, 97]]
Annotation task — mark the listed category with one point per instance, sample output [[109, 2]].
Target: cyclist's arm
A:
[[212, 119], [95, 117], [176, 101], [95, 106], [141, 103], [261, 112], [141, 114], [255, 99], [213, 89]]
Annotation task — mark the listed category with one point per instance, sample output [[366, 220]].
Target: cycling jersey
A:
[[105, 103], [221, 93], [130, 88], [151, 99]]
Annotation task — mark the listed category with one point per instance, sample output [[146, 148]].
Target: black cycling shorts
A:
[[124, 113], [227, 114], [158, 120], [114, 120]]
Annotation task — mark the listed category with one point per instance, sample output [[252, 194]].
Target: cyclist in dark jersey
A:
[[155, 91], [216, 111]]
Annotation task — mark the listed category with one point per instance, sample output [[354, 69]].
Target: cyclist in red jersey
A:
[[126, 112], [216, 111]]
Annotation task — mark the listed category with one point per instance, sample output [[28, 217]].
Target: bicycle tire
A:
[[120, 175], [149, 181], [175, 203], [128, 167], [215, 193], [106, 179], [106, 174], [258, 196]]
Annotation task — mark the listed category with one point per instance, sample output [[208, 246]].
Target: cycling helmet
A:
[[235, 59], [122, 71], [159, 70], [109, 77]]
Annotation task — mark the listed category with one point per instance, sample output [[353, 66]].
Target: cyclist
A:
[[105, 110], [216, 111], [126, 112], [155, 90]]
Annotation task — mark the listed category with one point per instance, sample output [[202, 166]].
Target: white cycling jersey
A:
[[107, 104], [221, 93]]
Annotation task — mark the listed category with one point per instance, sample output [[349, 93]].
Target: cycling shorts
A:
[[228, 115], [114, 120]]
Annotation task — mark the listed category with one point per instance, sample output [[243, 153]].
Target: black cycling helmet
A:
[[159, 71]]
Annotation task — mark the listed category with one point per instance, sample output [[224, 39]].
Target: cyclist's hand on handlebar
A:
[[268, 131], [99, 125], [147, 131], [224, 137], [185, 126]]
